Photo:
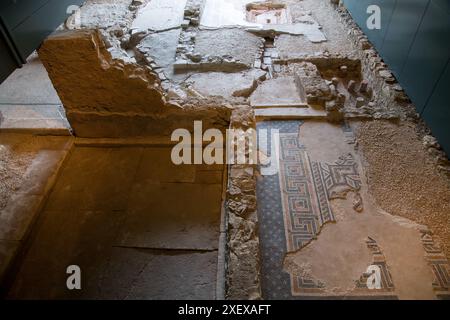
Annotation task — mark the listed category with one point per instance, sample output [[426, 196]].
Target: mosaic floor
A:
[[294, 206]]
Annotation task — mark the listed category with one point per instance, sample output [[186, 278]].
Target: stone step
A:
[[289, 113], [281, 105], [281, 91], [34, 119], [21, 212]]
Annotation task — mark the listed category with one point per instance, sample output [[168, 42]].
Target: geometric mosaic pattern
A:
[[387, 285], [340, 177], [305, 210], [438, 263], [293, 205], [276, 284], [306, 188]]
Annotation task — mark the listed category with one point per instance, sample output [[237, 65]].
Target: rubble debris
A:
[[351, 85], [360, 102], [363, 87]]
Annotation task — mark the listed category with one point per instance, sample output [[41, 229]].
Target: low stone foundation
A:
[[243, 258]]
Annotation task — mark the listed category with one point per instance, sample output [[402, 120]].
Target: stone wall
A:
[[243, 258], [106, 97], [391, 100], [389, 96]]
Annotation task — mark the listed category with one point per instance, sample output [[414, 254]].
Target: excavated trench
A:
[[138, 227]]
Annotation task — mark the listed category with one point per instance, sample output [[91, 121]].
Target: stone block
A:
[[88, 80], [351, 85]]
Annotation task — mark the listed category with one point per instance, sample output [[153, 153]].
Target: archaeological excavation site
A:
[[225, 150]]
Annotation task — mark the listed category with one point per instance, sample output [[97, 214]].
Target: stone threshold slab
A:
[[289, 113], [34, 119], [281, 105], [23, 208], [151, 141]]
